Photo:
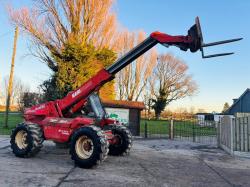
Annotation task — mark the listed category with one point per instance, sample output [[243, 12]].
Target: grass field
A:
[[14, 119], [181, 128]]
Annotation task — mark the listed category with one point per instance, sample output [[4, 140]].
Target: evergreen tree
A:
[[225, 107]]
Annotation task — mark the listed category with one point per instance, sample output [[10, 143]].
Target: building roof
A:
[[123, 104], [205, 113], [247, 90]]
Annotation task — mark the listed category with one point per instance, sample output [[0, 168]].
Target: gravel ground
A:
[[151, 163]]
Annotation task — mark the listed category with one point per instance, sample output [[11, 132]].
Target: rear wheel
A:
[[26, 140], [123, 138], [88, 146]]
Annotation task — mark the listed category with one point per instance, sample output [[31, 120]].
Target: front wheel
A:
[[123, 138], [88, 146], [26, 140]]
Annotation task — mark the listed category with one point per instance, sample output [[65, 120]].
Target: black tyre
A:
[[88, 146], [26, 140], [124, 138]]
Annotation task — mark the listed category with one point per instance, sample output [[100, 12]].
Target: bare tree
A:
[[192, 110], [18, 89], [170, 82], [28, 99], [52, 24], [132, 80], [147, 99]]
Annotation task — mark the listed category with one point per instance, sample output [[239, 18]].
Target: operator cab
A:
[[94, 108]]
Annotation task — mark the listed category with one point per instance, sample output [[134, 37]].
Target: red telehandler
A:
[[91, 139]]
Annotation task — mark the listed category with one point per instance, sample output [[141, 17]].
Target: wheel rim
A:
[[21, 139], [84, 147], [118, 140]]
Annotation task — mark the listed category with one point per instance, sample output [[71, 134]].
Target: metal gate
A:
[[195, 130]]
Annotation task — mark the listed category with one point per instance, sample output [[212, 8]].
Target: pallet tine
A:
[[220, 42], [216, 55]]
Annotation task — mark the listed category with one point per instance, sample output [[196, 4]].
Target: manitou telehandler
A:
[[92, 139]]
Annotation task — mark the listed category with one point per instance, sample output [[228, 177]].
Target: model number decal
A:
[[40, 107], [76, 93], [86, 87], [59, 121], [65, 132]]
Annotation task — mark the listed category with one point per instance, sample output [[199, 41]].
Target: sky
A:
[[219, 79]]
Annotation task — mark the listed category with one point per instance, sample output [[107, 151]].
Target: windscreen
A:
[[96, 106]]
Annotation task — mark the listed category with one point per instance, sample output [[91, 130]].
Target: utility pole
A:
[[10, 85]]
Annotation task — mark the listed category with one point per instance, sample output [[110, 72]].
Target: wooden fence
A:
[[234, 135]]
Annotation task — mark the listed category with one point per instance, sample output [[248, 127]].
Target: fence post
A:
[[171, 130], [146, 130], [193, 133], [232, 135], [218, 130], [248, 134]]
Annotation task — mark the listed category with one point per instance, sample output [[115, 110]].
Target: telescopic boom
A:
[[193, 41]]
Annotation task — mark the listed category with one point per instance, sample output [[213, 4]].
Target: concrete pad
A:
[[46, 169], [150, 163], [4, 141]]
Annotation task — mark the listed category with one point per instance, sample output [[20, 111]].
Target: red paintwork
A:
[[60, 129], [84, 91], [55, 117], [165, 38], [108, 121]]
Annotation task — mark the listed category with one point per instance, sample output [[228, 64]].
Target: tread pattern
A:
[[127, 140], [101, 143], [35, 140], [104, 142]]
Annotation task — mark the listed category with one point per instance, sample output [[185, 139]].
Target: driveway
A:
[[150, 163]]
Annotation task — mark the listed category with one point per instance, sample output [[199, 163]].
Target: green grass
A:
[[181, 128], [155, 126], [14, 119]]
